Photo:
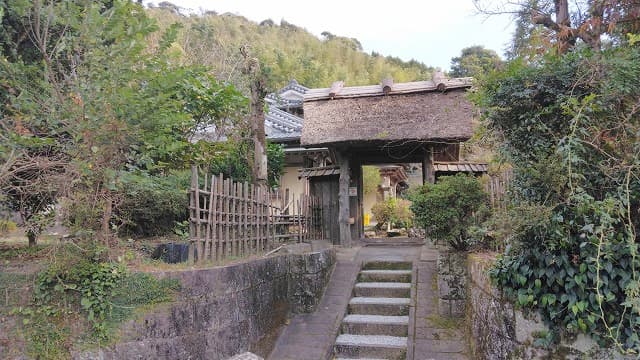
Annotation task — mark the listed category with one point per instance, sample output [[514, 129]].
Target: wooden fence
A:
[[497, 186], [234, 219]]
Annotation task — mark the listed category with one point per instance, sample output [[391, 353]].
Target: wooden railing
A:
[[235, 219]]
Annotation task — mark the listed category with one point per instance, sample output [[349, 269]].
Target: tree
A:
[[371, 179], [102, 102], [571, 130], [587, 21], [284, 51], [474, 61], [258, 92]]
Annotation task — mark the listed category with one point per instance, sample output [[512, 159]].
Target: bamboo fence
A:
[[230, 219], [497, 187]]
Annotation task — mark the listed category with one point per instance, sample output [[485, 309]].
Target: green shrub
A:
[[508, 224], [82, 282], [392, 211], [570, 128], [448, 208], [7, 226], [152, 205]]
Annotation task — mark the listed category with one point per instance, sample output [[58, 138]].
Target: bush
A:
[[508, 224], [82, 291], [392, 211], [152, 205], [7, 226], [570, 128], [448, 208]]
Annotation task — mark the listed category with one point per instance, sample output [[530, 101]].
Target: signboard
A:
[[353, 191]]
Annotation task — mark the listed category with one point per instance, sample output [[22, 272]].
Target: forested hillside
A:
[[285, 51]]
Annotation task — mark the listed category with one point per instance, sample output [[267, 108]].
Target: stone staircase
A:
[[377, 320]]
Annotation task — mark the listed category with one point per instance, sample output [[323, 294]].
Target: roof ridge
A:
[[377, 89]]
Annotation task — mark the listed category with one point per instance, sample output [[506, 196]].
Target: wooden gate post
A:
[[428, 175], [343, 201]]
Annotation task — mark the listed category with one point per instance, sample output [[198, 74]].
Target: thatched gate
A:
[[235, 219]]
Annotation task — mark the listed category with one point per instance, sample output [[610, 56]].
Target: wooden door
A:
[[326, 189]]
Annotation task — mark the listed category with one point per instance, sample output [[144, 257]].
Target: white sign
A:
[[353, 191]]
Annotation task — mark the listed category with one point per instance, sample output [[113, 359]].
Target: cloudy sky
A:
[[430, 31]]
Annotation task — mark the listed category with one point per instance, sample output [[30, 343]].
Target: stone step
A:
[[375, 325], [379, 306], [389, 347], [385, 275], [387, 265], [383, 289]]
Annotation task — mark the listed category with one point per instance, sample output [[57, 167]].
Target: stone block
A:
[[458, 308], [247, 356], [444, 307], [525, 327]]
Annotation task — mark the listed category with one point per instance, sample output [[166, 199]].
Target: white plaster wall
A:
[[289, 180]]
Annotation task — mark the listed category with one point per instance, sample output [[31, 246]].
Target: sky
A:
[[430, 31]]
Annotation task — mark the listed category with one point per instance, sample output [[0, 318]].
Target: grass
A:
[[20, 253], [445, 323], [17, 238]]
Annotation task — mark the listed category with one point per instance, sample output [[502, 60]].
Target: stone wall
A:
[[499, 331], [452, 283], [225, 311]]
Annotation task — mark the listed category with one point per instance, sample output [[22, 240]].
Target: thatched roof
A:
[[417, 111]]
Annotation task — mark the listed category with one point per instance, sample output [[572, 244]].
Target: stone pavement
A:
[[311, 336], [434, 337]]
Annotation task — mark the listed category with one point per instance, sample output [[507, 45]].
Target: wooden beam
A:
[[439, 80], [335, 88], [355, 210], [343, 200], [387, 85]]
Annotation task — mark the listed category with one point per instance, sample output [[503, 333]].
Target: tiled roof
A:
[[294, 85], [280, 124], [276, 99], [460, 167], [318, 171]]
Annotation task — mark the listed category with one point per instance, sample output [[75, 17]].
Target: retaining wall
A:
[[452, 283], [499, 331], [226, 310]]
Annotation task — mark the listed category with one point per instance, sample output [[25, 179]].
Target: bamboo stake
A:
[[227, 248], [192, 214], [197, 212], [209, 237], [247, 248], [219, 217], [259, 221], [237, 214]]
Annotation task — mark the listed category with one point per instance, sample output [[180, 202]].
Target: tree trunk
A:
[[259, 148], [566, 38], [562, 12], [33, 237], [256, 81], [343, 200]]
